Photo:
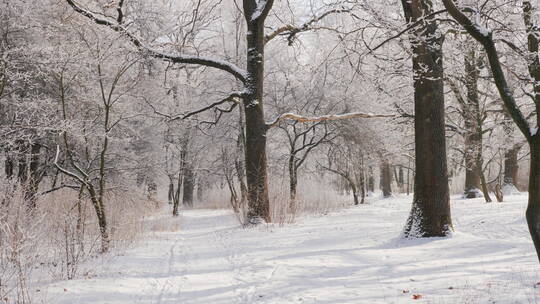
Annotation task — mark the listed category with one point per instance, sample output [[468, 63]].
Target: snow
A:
[[259, 10], [350, 256], [533, 131], [483, 31]]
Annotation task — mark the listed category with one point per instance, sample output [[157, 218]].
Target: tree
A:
[[430, 213], [252, 79], [485, 38]]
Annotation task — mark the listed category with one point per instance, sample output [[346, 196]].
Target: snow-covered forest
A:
[[269, 151]]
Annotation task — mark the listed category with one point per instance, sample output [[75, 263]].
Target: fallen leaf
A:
[[416, 296], [405, 291]]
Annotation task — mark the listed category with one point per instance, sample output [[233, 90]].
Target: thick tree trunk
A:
[[371, 181], [472, 172], [533, 208], [473, 125], [386, 179], [511, 168], [189, 186], [256, 167], [430, 213]]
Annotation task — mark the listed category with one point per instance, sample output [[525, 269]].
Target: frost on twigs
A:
[[300, 118]]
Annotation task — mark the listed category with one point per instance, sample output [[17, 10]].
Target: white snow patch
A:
[[350, 256]]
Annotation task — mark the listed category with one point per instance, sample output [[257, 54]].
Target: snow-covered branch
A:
[[484, 36], [291, 30], [233, 98], [65, 171], [117, 26], [300, 118]]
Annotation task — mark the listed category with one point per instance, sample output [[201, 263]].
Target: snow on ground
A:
[[350, 256]]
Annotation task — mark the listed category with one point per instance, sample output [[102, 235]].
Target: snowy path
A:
[[351, 256]]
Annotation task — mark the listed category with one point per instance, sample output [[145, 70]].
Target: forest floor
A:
[[353, 255]]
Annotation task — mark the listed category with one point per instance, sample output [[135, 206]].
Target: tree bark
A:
[[32, 184], [256, 162], [430, 212], [189, 186], [170, 193], [371, 181], [473, 125], [386, 178], [176, 199], [533, 207], [511, 167], [200, 188], [293, 181], [9, 165]]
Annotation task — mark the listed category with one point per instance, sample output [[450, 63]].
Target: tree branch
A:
[[484, 36], [300, 118], [291, 30], [236, 71]]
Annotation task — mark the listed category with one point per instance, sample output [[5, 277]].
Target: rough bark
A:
[[511, 167], [533, 207], [386, 178], [255, 147], [293, 180], [370, 181], [189, 186], [430, 213]]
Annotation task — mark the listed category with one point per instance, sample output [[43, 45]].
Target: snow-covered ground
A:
[[351, 256]]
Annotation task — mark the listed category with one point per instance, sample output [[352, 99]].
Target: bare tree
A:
[[485, 37]]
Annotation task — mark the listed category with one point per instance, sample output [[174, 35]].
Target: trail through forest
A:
[[349, 256]]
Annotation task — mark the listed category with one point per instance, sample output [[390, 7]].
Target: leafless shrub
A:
[[58, 238]]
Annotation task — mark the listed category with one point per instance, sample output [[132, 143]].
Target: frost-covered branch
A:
[[233, 97], [117, 26], [290, 30], [484, 36], [300, 118], [65, 171]]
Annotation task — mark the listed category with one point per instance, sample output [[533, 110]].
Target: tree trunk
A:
[[473, 125], [170, 193], [533, 208], [386, 178], [176, 199], [472, 172], [239, 163], [293, 181], [101, 217], [511, 168], [371, 181], [189, 186], [200, 189], [256, 167], [430, 212], [9, 165], [354, 192], [32, 184]]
